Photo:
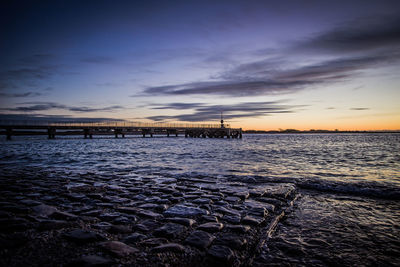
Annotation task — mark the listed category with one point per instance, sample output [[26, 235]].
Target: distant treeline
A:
[[314, 131]]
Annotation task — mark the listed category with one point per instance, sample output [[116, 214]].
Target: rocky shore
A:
[[88, 219]]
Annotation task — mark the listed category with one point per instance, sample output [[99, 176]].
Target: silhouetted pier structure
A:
[[118, 129]]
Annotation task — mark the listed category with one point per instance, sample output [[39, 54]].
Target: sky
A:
[[266, 65]]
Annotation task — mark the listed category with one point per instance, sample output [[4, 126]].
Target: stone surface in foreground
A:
[[100, 220]]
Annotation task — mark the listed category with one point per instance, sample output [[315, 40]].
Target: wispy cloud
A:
[[52, 118], [360, 109], [44, 106], [98, 60], [361, 46], [205, 112], [26, 94]]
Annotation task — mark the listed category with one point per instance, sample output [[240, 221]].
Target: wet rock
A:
[[232, 199], [231, 240], [221, 254], [170, 247], [92, 260], [211, 227], [209, 218], [250, 220], [199, 239], [170, 230], [229, 211], [153, 242], [124, 220], [109, 216], [231, 218], [46, 225], [133, 238], [102, 225], [185, 211], [30, 202], [150, 214], [119, 229], [64, 216], [183, 221], [242, 195], [81, 236], [238, 228], [281, 191], [118, 248], [44, 210], [129, 210], [202, 201]]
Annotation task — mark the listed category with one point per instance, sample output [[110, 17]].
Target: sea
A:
[[348, 212]]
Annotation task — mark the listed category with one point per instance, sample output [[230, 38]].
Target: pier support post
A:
[[9, 133], [51, 133]]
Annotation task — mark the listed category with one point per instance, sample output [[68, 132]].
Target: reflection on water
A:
[[337, 230], [338, 157]]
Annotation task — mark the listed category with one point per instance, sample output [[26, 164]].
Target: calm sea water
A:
[[349, 212]]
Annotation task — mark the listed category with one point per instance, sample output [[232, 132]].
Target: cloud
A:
[[52, 118], [44, 106], [26, 94], [258, 80], [359, 109], [204, 112], [355, 36], [361, 45], [98, 60]]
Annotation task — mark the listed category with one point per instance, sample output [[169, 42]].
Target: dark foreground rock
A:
[[64, 219]]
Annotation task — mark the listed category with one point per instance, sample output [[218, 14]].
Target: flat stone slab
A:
[[183, 221], [82, 236], [221, 254], [170, 247], [185, 211], [170, 230], [211, 227], [118, 248], [233, 241], [92, 260], [44, 210], [133, 238], [199, 239]]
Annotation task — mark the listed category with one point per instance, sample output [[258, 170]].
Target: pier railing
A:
[[111, 124]]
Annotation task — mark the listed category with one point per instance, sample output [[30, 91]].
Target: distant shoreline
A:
[[290, 131]]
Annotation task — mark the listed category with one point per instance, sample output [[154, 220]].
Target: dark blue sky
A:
[[267, 64]]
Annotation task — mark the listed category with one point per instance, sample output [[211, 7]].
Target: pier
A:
[[118, 129]]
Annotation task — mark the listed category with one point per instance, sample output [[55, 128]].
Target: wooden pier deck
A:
[[118, 129]]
